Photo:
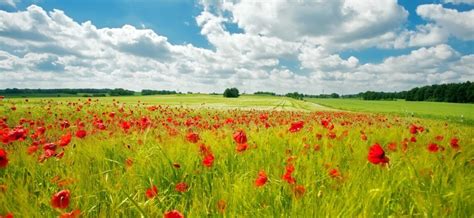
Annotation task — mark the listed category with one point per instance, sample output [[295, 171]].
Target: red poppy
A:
[[241, 147], [299, 191], [192, 137], [296, 126], [128, 162], [392, 146], [81, 133], [181, 187], [261, 179], [151, 192], [72, 214], [439, 138], [240, 137], [3, 158], [454, 143], [65, 139], [61, 199], [334, 173], [287, 176], [377, 155], [363, 137], [8, 215], [433, 147], [173, 214], [208, 160], [125, 125], [221, 205]]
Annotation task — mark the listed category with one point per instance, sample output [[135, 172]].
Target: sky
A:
[[313, 46]]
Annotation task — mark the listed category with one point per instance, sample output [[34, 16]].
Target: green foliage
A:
[[295, 95], [453, 92], [120, 92], [231, 93], [264, 93], [157, 92]]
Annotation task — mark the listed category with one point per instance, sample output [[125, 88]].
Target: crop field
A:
[[451, 112], [254, 156]]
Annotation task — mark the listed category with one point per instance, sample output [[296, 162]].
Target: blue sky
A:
[[178, 21]]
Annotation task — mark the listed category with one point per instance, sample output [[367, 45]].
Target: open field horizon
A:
[[205, 155]]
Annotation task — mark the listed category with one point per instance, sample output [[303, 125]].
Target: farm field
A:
[[454, 112], [254, 156]]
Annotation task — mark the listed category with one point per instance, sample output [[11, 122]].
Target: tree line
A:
[[80, 92], [452, 92]]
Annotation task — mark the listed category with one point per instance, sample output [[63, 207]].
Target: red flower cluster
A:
[[377, 155], [261, 179], [296, 126]]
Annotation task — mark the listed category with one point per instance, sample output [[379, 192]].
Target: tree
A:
[[231, 93]]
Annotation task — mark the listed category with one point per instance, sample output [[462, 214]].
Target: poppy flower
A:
[[65, 140], [454, 143], [128, 162], [181, 187], [81, 133], [240, 137], [377, 155], [173, 214], [192, 137], [151, 192], [296, 126], [261, 179], [3, 158], [8, 215], [392, 146], [287, 176], [208, 160], [72, 214], [334, 173], [125, 126], [433, 147], [221, 205], [61, 199], [299, 191], [241, 147]]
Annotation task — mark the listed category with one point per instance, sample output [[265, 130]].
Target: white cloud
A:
[[49, 49], [456, 2], [459, 24]]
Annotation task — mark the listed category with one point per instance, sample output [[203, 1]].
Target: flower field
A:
[[106, 158]]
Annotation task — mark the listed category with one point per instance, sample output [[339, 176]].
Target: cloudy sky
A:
[[316, 46]]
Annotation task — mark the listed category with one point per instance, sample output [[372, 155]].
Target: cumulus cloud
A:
[[443, 23], [49, 49]]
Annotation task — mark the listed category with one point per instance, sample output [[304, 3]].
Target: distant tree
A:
[[295, 95], [264, 93], [231, 93]]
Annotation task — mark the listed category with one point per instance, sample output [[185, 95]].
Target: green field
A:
[[247, 102], [453, 112], [298, 159]]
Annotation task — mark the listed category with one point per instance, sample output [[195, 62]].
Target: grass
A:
[[416, 182], [451, 112]]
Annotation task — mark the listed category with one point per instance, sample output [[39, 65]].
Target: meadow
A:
[[451, 112], [207, 156]]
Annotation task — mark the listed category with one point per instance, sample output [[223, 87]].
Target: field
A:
[[452, 112], [255, 156]]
